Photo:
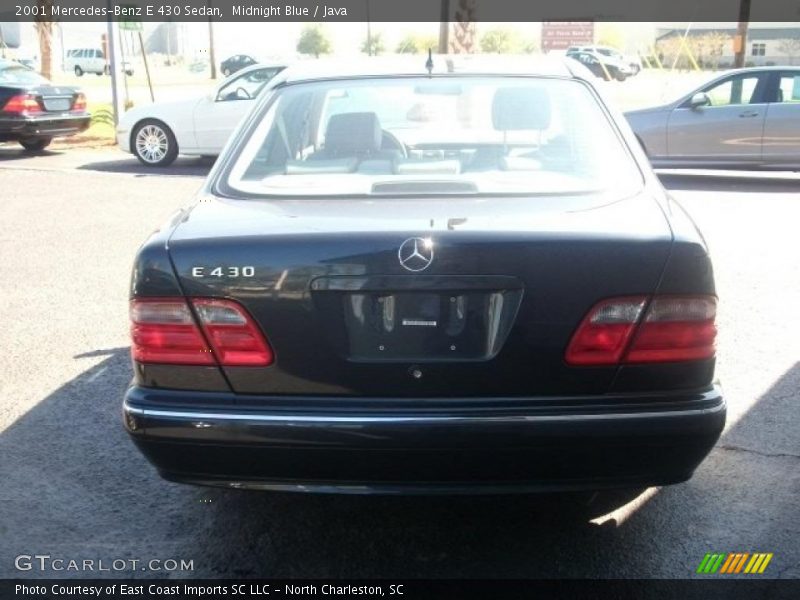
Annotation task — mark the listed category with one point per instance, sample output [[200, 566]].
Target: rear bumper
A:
[[42, 126], [653, 440]]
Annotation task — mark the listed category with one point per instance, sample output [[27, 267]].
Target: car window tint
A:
[[733, 91], [246, 86], [20, 75], [500, 135], [789, 88]]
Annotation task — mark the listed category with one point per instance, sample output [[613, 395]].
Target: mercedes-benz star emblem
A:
[[416, 254]]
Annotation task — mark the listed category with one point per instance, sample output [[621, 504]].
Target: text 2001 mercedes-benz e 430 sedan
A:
[[467, 280]]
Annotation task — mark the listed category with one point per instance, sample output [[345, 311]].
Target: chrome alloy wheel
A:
[[152, 144]]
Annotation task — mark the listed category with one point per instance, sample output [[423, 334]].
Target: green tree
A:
[[499, 41], [373, 45], [417, 44], [314, 41], [532, 46]]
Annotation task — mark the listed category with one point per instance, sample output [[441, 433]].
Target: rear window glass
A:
[[440, 135], [20, 75]]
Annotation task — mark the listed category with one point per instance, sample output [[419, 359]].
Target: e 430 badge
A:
[[244, 271]]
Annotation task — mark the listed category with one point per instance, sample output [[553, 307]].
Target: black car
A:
[[33, 111], [229, 66], [468, 281]]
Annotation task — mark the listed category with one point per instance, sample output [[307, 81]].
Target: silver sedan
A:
[[744, 118]]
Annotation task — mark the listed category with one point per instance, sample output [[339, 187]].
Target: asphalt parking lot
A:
[[73, 486]]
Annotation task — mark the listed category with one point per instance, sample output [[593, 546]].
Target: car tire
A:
[[78, 71], [34, 146], [154, 144], [619, 76]]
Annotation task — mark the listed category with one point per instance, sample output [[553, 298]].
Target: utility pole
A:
[[740, 42], [112, 67], [211, 53], [444, 27]]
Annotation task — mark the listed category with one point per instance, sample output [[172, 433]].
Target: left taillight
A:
[[79, 104], [165, 331], [22, 104]]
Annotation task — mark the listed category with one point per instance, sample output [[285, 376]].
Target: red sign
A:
[[560, 35]]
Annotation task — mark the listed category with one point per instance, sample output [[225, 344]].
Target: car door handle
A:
[[749, 113]]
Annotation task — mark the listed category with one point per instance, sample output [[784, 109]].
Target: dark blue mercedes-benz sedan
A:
[[401, 278]]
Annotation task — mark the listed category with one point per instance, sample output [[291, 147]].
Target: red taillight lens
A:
[[164, 331], [235, 337], [80, 103], [603, 335], [22, 104], [674, 328]]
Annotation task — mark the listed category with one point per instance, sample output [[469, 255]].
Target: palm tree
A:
[[463, 41], [44, 30]]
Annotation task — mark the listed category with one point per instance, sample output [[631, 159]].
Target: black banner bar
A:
[[396, 10], [732, 588]]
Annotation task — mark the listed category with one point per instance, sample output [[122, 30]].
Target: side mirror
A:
[[699, 99]]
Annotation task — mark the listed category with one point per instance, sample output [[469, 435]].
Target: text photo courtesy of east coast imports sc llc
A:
[[444, 300]]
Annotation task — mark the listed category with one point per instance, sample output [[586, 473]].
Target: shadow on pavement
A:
[[183, 166], [10, 152], [74, 486]]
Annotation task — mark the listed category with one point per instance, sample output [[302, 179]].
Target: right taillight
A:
[[675, 328], [631, 330], [164, 331], [79, 105]]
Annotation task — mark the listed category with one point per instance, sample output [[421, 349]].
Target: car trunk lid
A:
[[487, 308]]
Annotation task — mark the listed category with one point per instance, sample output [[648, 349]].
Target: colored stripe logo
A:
[[734, 562]]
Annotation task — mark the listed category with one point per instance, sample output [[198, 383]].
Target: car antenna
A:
[[429, 62]]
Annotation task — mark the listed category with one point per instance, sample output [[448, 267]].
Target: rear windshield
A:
[[22, 75], [441, 135]]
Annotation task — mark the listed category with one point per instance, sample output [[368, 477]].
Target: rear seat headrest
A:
[[515, 108], [353, 133]]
